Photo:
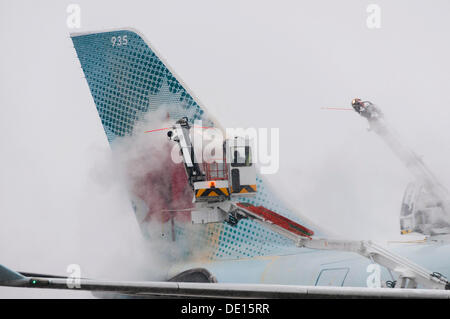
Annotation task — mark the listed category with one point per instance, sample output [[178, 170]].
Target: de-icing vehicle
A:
[[232, 174], [426, 202], [220, 183]]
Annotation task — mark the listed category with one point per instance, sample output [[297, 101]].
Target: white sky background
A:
[[252, 64]]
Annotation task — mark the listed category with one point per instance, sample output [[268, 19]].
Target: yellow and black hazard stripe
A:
[[212, 192], [244, 189]]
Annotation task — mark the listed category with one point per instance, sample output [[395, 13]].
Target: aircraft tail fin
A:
[[129, 83], [128, 79]]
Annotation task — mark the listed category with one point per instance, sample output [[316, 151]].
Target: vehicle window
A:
[[241, 156]]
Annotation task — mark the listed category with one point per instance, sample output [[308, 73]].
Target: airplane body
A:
[[311, 267], [132, 86], [129, 81]]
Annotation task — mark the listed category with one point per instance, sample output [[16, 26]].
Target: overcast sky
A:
[[252, 64]]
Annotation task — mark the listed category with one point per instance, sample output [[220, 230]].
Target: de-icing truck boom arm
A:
[[437, 196]]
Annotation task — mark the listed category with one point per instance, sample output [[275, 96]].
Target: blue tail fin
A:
[[128, 81]]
